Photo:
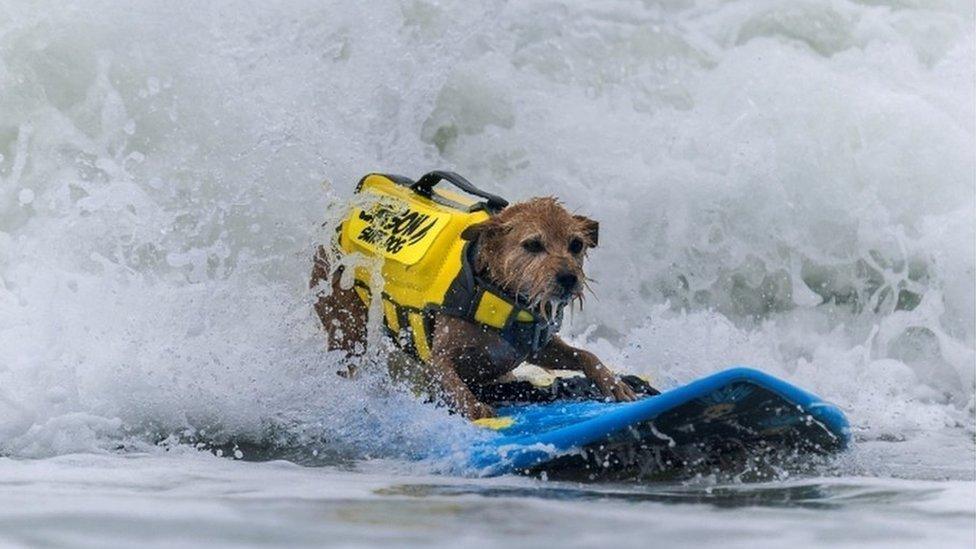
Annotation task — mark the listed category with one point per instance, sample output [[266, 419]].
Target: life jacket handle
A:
[[425, 186]]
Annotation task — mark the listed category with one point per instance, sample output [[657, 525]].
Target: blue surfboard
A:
[[739, 411]]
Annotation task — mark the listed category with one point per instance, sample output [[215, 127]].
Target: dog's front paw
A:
[[620, 391], [478, 410], [610, 385]]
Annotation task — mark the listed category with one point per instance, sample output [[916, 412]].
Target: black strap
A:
[[506, 393], [461, 300], [425, 186]]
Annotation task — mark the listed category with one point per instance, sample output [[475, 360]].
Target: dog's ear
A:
[[591, 229], [482, 230]]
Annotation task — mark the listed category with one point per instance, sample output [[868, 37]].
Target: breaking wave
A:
[[788, 185]]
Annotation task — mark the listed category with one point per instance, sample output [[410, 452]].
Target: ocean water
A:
[[790, 185]]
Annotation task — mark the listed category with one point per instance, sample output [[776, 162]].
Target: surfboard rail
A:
[[519, 447]]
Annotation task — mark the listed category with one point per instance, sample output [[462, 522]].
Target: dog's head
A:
[[535, 249]]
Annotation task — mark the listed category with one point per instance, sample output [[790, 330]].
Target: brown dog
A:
[[534, 249]]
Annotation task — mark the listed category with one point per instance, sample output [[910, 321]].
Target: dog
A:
[[535, 250]]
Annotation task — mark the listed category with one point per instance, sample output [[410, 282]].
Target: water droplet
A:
[[26, 196]]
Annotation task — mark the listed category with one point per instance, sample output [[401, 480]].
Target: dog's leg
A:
[[560, 355], [342, 313], [448, 348], [454, 391], [437, 380]]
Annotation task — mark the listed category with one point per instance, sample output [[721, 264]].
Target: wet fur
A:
[[503, 258], [465, 353]]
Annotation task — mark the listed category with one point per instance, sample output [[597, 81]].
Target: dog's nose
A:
[[567, 280]]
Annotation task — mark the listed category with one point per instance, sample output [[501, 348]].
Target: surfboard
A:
[[736, 414]]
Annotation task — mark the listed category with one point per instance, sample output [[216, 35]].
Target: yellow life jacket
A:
[[427, 267]]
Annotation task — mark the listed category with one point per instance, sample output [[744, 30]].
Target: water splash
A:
[[788, 186]]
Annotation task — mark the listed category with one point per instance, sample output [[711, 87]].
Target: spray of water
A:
[[788, 185]]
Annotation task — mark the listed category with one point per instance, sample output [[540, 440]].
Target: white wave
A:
[[788, 185]]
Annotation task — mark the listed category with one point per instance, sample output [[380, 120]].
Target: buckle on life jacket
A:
[[544, 330], [527, 330]]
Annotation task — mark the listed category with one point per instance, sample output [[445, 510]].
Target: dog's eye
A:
[[575, 246], [533, 246]]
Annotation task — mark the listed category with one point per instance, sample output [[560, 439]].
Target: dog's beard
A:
[[539, 294], [555, 299], [549, 302]]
